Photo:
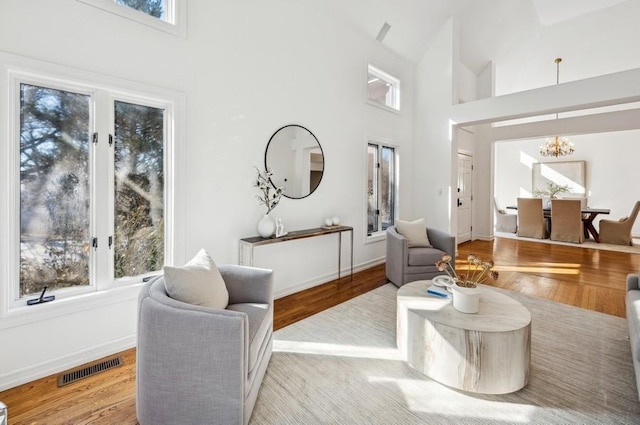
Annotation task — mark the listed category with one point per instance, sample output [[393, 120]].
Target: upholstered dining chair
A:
[[566, 220], [531, 222], [619, 232], [505, 222]]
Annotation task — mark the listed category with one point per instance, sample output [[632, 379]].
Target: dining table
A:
[[588, 215]]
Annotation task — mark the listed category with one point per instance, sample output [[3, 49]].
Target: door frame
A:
[[471, 207]]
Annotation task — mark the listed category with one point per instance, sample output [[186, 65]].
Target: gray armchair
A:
[[406, 264], [200, 365]]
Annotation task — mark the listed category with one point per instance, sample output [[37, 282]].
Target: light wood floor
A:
[[587, 278]]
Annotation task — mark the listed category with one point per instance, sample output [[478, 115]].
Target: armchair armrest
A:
[[633, 282], [444, 242], [397, 257], [247, 284]]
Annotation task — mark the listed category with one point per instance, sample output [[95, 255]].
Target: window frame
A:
[[393, 81], [175, 21], [102, 287], [380, 144]]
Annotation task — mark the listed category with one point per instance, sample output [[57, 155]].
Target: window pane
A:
[[54, 189], [383, 88], [372, 192], [387, 185], [139, 189], [155, 8]]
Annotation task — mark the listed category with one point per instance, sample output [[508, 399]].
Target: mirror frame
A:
[[266, 153]]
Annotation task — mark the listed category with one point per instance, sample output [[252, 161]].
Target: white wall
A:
[[434, 152], [611, 170], [246, 68], [593, 44]]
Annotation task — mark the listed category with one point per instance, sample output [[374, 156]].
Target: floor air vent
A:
[[89, 370]]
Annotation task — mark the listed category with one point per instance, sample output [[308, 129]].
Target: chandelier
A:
[[557, 146]]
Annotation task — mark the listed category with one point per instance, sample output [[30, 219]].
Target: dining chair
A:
[[566, 220], [505, 222], [531, 221], [619, 231]]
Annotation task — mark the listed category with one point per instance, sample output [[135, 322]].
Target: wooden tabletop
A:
[[297, 234]]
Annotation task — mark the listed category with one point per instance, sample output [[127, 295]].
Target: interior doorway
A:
[[465, 197]]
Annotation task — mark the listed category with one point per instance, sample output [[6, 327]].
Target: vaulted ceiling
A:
[[487, 27]]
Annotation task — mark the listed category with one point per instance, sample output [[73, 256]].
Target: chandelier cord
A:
[[557, 146]]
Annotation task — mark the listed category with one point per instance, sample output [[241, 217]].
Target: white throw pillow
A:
[[415, 232], [197, 282]]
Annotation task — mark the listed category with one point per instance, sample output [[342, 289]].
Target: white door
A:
[[464, 195]]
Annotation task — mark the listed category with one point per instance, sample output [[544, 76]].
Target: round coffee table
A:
[[488, 352]]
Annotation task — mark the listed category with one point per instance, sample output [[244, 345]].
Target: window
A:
[[54, 188], [381, 187], [165, 15], [91, 185], [383, 89], [155, 8]]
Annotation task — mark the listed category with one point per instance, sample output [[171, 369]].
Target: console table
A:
[[249, 244]]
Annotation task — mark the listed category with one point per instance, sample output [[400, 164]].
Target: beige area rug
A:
[[341, 366], [635, 249]]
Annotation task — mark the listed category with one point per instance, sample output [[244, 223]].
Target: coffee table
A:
[[488, 352]]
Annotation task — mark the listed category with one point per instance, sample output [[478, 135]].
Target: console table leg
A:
[[339, 253]]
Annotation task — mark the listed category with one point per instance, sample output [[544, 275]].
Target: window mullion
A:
[[100, 200]]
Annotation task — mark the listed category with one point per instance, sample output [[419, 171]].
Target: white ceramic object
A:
[[335, 221], [328, 221], [466, 300], [266, 226]]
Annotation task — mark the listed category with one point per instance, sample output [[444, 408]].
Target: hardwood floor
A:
[[592, 279]]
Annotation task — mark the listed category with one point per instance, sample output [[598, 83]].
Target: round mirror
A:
[[295, 157]]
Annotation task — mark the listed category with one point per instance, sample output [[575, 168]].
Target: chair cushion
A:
[[415, 232], [424, 256], [198, 282], [260, 325]]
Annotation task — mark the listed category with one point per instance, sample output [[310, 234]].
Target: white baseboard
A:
[[327, 278], [60, 364]]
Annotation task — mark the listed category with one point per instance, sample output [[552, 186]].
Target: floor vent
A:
[[92, 369]]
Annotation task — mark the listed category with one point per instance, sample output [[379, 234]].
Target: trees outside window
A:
[[69, 174], [381, 187], [155, 8], [54, 188]]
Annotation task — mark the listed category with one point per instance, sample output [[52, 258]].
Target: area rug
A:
[[341, 366], [589, 243]]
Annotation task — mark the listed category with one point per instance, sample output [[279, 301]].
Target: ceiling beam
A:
[[586, 124], [605, 90]]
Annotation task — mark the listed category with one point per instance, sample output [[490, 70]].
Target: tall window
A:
[[70, 177], [139, 189], [383, 89], [381, 187], [54, 188]]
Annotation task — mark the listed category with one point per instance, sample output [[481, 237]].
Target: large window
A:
[[54, 188], [91, 186], [381, 187]]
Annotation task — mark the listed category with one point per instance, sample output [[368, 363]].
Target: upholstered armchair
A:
[[531, 221], [566, 220], [505, 222], [197, 364], [619, 232], [405, 264]]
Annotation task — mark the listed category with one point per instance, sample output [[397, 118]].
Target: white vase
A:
[[466, 300], [266, 226]]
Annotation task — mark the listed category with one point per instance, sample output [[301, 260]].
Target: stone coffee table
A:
[[488, 352]]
